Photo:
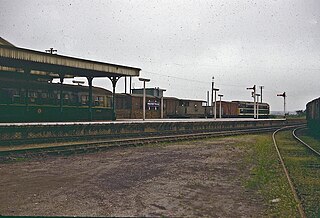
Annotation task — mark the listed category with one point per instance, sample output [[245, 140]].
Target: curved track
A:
[[293, 190], [304, 143]]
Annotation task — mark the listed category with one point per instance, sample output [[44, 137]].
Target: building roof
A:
[[149, 89], [192, 100], [249, 102], [52, 64], [5, 42]]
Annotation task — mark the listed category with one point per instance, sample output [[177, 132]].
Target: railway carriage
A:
[[238, 109], [246, 109], [44, 101], [313, 115]]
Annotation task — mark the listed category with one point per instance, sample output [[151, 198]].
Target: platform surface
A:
[[138, 121]]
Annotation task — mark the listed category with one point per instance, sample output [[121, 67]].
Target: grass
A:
[[14, 160], [307, 137], [304, 169], [267, 177]]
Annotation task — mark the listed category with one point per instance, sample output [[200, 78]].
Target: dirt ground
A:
[[196, 178]]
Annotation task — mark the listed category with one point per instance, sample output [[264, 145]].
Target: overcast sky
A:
[[180, 45]]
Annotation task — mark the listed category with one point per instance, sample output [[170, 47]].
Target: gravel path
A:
[[197, 178]]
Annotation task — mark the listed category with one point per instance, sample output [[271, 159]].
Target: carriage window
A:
[[84, 99], [33, 94], [99, 101], [44, 95]]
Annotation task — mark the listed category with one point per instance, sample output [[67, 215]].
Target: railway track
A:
[[315, 152], [297, 187], [102, 144]]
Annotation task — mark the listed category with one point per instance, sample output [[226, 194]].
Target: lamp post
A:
[[284, 103], [212, 87], [220, 96], [144, 96], [215, 102], [254, 100]]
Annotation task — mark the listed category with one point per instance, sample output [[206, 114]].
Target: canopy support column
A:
[[130, 85], [61, 92], [114, 80], [26, 97], [90, 97], [125, 85]]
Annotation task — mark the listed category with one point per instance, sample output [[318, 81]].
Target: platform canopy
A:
[[53, 65]]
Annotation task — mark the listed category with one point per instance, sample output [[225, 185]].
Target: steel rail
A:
[[302, 142], [293, 190], [87, 146]]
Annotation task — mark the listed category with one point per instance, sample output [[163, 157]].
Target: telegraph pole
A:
[[284, 102], [220, 95], [261, 87], [215, 102], [207, 105], [215, 97], [144, 96], [254, 100], [212, 87], [258, 105]]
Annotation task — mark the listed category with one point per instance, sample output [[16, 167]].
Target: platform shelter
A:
[[53, 66]]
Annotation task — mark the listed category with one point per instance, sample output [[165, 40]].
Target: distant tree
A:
[[301, 112]]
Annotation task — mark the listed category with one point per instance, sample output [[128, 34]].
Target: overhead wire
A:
[[190, 80]]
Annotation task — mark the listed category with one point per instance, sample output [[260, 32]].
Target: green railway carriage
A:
[[313, 116], [42, 100], [27, 93]]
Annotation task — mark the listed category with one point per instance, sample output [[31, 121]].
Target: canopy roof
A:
[[52, 65]]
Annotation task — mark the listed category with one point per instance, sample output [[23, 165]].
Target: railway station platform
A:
[[122, 121], [10, 132]]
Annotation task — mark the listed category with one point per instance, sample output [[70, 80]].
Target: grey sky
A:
[[180, 45]]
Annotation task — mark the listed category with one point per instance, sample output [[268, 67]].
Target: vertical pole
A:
[[113, 101], [208, 97], [61, 92], [212, 87], [215, 104], [90, 97], [162, 106], [130, 85], [284, 104], [144, 100], [254, 102], [26, 97], [125, 85], [220, 108], [114, 81], [257, 107], [261, 87]]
